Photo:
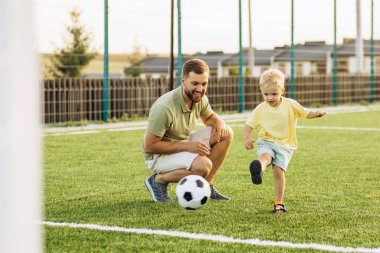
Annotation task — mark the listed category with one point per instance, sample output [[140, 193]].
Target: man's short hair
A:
[[272, 77], [195, 65]]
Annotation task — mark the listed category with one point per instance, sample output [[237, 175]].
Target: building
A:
[[347, 60], [214, 60], [310, 58], [262, 60], [152, 66], [158, 66], [313, 57]]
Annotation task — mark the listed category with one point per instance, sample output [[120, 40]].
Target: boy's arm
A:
[[248, 142], [316, 114]]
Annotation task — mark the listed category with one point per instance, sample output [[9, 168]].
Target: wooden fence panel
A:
[[82, 99]]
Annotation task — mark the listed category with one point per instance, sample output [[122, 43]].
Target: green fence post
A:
[[292, 95], [179, 61], [372, 77], [241, 87], [105, 64], [335, 67]]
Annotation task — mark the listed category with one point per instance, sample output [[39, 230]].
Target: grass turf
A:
[[332, 193]]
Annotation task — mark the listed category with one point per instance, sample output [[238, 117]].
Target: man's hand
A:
[[219, 130], [198, 147]]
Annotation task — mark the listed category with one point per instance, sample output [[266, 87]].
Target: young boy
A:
[[276, 119]]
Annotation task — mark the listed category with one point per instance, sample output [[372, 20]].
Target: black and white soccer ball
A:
[[193, 192]]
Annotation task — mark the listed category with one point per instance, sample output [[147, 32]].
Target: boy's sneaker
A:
[[255, 169], [215, 194], [279, 208], [158, 191]]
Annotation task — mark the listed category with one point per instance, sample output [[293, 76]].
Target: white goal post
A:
[[20, 205]]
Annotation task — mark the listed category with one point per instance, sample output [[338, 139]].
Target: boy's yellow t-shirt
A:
[[278, 124]]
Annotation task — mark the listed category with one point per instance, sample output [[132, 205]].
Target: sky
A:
[[207, 25]]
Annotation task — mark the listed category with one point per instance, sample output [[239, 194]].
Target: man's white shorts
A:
[[182, 160]]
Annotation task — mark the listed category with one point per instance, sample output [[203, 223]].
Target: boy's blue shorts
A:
[[280, 155]]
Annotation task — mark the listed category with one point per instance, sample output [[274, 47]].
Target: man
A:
[[170, 150]]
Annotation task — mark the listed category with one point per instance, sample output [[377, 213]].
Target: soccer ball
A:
[[193, 192]]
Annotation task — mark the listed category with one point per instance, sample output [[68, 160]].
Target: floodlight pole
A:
[[241, 87], [335, 67], [372, 77], [179, 57], [292, 52], [171, 67], [359, 39], [105, 65], [251, 50]]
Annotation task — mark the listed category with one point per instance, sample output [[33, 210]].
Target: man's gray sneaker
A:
[[158, 191], [215, 194]]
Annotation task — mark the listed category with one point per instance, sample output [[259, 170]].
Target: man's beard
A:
[[191, 95]]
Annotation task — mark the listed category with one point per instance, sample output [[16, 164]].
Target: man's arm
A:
[[212, 119], [155, 145]]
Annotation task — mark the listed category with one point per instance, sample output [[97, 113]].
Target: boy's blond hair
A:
[[272, 77]]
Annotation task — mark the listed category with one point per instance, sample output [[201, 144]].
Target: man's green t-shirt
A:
[[171, 119]]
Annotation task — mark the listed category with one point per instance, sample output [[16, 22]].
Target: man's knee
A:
[[230, 134], [201, 166]]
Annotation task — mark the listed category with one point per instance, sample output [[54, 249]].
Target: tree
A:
[[75, 55], [135, 59]]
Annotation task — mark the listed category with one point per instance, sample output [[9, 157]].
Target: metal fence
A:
[[66, 100]]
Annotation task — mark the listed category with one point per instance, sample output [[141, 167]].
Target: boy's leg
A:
[[265, 154], [280, 164], [279, 185], [257, 167], [265, 160]]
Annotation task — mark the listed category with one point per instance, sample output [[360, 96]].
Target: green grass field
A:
[[332, 195]]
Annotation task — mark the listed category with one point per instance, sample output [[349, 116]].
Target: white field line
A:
[[235, 125], [341, 128], [127, 129], [97, 131], [216, 238], [329, 128]]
